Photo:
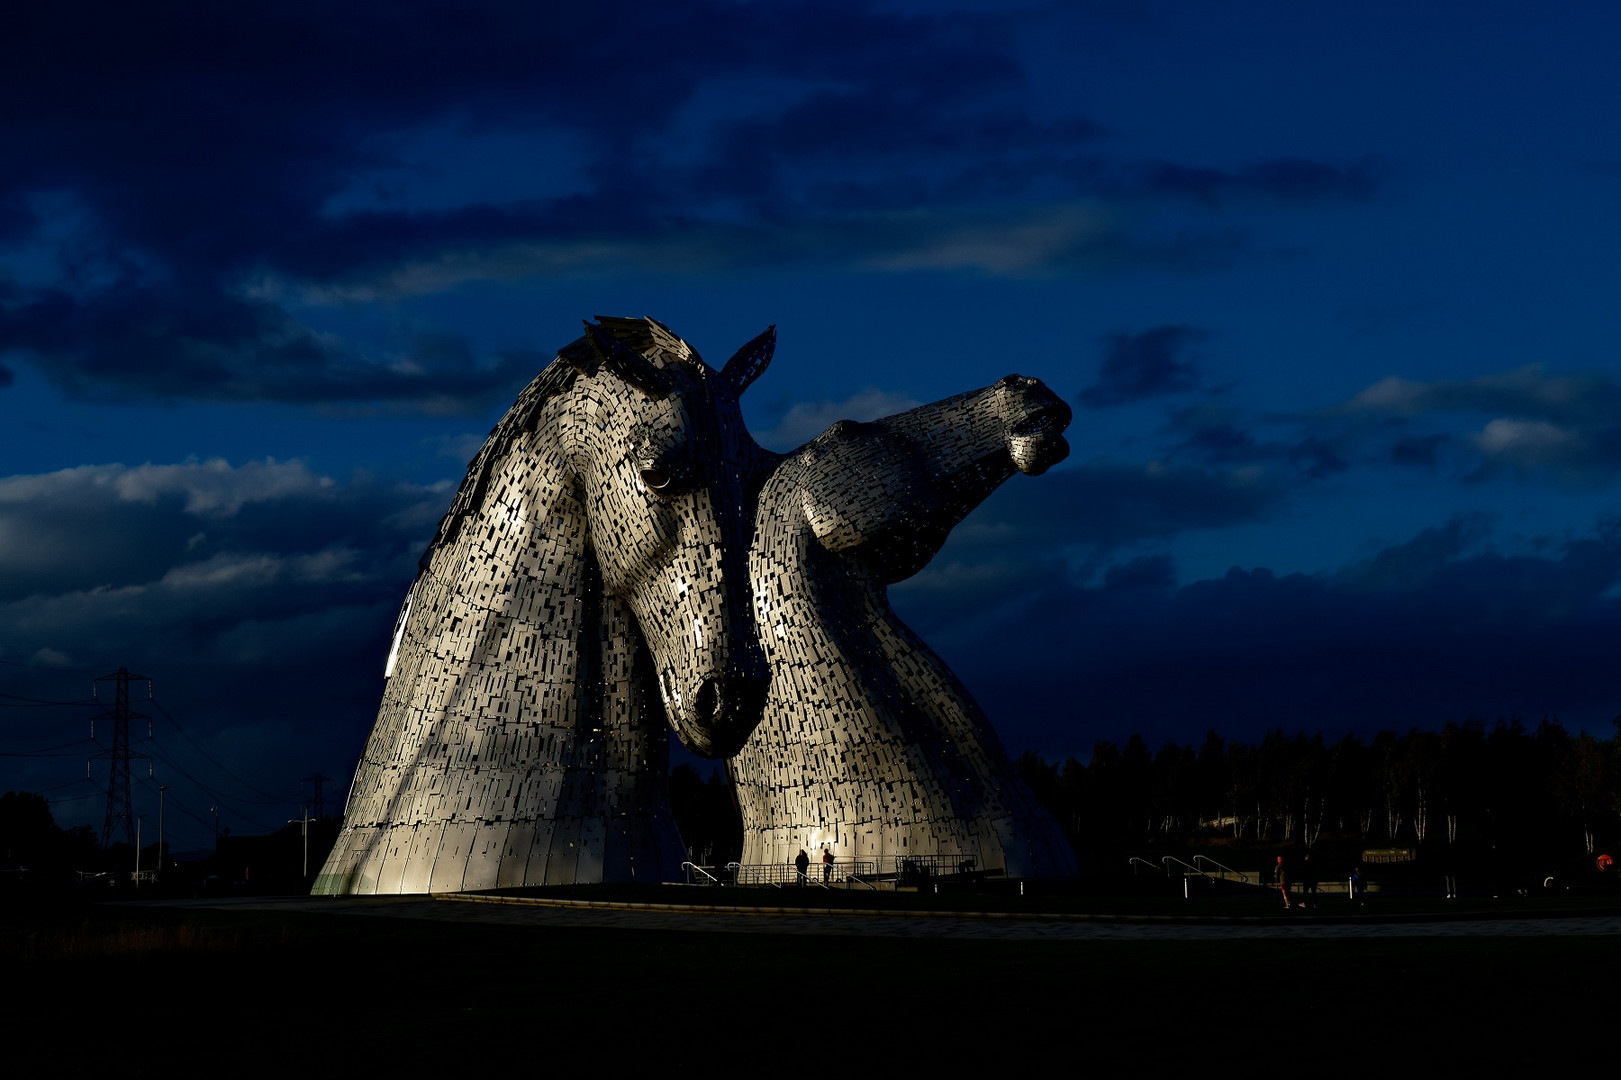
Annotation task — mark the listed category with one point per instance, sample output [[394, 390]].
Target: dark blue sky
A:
[[1332, 294]]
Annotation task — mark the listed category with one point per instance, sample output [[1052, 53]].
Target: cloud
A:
[[1036, 240], [1107, 505], [1212, 432], [1417, 451], [807, 419], [1067, 524], [181, 519], [1145, 365], [205, 345], [1298, 181], [1417, 561], [192, 193], [258, 597], [1530, 391], [1541, 424], [1440, 626]]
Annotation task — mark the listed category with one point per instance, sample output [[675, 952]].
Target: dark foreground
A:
[[162, 992]]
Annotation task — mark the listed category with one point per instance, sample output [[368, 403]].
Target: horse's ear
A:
[[750, 362], [627, 363]]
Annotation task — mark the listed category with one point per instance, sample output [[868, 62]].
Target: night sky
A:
[[1333, 292]]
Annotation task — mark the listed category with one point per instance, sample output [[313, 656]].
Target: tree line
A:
[[1504, 787]]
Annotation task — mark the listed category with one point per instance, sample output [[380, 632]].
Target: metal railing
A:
[[1135, 862], [1198, 860], [775, 875], [694, 871], [1167, 860], [899, 869], [927, 867]]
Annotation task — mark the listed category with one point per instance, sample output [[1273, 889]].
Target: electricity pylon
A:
[[120, 811]]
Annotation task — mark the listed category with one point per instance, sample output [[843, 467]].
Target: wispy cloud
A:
[[1537, 423], [807, 419]]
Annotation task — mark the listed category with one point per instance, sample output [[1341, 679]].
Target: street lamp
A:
[[306, 821], [161, 789]]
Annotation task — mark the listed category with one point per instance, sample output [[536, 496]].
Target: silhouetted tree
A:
[[706, 815]]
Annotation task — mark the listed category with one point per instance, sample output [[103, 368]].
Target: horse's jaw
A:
[[1035, 419], [716, 719]]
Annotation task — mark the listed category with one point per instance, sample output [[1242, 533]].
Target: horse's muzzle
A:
[[723, 713]]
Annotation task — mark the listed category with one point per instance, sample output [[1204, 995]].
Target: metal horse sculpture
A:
[[587, 583], [869, 744]]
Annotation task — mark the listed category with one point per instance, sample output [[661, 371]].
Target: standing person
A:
[[827, 865], [1281, 876], [802, 864]]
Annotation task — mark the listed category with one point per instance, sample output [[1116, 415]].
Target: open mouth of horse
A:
[[1036, 442], [1046, 421]]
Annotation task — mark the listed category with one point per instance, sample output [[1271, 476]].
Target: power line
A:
[[177, 804], [72, 798], [216, 762], [228, 803]]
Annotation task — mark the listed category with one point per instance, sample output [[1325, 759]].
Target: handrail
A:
[[1185, 866], [1225, 870], [1134, 859], [691, 866], [901, 869]]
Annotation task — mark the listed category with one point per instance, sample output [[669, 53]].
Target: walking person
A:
[[827, 865], [802, 864]]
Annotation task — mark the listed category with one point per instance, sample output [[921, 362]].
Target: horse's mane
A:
[[647, 336]]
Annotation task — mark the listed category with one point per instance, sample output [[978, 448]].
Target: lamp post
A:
[[306, 822], [161, 789]]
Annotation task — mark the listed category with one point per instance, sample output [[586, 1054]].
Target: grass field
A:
[[155, 992]]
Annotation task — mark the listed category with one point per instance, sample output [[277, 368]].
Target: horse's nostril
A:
[[710, 701]]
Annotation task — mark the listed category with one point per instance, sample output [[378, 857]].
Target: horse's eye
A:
[[655, 478]]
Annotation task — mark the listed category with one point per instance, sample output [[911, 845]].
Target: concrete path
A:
[[990, 926]]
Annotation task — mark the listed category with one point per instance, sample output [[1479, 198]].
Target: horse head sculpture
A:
[[667, 472], [869, 744], [587, 584]]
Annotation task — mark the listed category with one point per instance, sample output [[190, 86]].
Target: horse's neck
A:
[[848, 677], [821, 594], [508, 643]]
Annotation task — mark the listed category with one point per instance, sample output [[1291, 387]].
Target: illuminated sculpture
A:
[[594, 580], [869, 744], [587, 583]]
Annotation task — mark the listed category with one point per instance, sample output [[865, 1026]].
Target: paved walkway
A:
[[993, 926]]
